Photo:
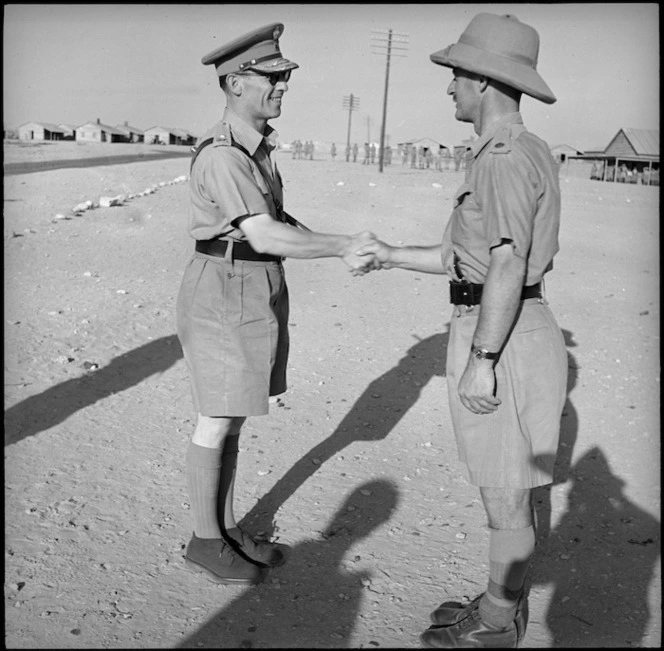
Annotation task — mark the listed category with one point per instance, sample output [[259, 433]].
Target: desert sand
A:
[[355, 468]]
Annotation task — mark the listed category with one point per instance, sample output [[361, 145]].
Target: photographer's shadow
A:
[[311, 601], [374, 415]]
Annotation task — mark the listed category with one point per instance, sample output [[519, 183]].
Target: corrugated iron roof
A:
[[644, 141]]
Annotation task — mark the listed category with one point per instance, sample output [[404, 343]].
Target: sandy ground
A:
[[355, 468]]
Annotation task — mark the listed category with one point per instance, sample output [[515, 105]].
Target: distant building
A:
[[427, 143], [632, 156], [69, 131], [98, 132], [168, 136], [132, 134], [560, 153], [40, 131]]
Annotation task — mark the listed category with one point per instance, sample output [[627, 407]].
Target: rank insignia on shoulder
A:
[[501, 146], [222, 135]]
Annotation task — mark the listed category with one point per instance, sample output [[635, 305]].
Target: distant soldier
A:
[[355, 153], [372, 153], [311, 150], [413, 156], [457, 160], [333, 151], [366, 154], [439, 158], [388, 155], [446, 157]]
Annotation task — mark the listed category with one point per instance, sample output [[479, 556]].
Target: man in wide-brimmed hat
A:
[[506, 358]]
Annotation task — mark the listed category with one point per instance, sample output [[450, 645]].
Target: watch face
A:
[[483, 353]]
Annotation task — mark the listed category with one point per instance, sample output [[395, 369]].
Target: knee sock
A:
[[229, 455], [203, 479], [509, 554]]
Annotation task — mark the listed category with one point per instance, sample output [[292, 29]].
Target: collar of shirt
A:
[[487, 136], [247, 136]]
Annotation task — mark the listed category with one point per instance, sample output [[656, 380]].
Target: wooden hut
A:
[[131, 134], [168, 136], [40, 131], [632, 156], [98, 132]]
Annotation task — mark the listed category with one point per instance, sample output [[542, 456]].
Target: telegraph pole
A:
[[351, 103], [386, 42]]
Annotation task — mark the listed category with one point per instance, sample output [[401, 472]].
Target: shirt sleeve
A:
[[232, 183], [508, 190]]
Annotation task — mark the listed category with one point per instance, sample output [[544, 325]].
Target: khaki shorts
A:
[[515, 446], [232, 322]]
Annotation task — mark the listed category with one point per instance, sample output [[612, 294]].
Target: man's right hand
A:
[[380, 251], [360, 264]]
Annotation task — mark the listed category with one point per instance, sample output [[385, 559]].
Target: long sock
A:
[[229, 456], [203, 479], [509, 555]]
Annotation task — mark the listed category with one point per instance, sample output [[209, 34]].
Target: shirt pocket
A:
[[462, 194], [468, 223]]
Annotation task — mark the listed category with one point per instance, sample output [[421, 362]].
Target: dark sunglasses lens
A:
[[276, 77]]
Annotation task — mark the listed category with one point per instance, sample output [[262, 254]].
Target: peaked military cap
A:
[[257, 50]]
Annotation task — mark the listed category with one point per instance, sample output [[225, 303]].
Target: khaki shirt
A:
[[511, 192], [225, 184]]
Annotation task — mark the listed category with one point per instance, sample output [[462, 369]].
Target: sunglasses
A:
[[273, 77]]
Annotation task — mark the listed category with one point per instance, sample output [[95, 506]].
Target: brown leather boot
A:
[[215, 558], [471, 632], [452, 612]]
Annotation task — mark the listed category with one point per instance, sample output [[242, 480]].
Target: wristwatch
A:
[[482, 353]]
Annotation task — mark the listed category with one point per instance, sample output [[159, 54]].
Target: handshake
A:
[[365, 253]]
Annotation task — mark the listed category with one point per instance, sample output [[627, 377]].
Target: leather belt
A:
[[471, 293], [242, 250]]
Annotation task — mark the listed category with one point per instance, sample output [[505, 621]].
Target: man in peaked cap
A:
[[232, 307], [506, 356]]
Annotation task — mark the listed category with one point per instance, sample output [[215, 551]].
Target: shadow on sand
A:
[[600, 557], [53, 406], [374, 415], [312, 601]]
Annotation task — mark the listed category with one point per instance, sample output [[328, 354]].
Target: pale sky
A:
[[141, 64]]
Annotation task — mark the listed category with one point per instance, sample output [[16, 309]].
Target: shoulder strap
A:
[[280, 209], [197, 150]]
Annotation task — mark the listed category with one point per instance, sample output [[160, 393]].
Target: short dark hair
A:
[[222, 82]]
